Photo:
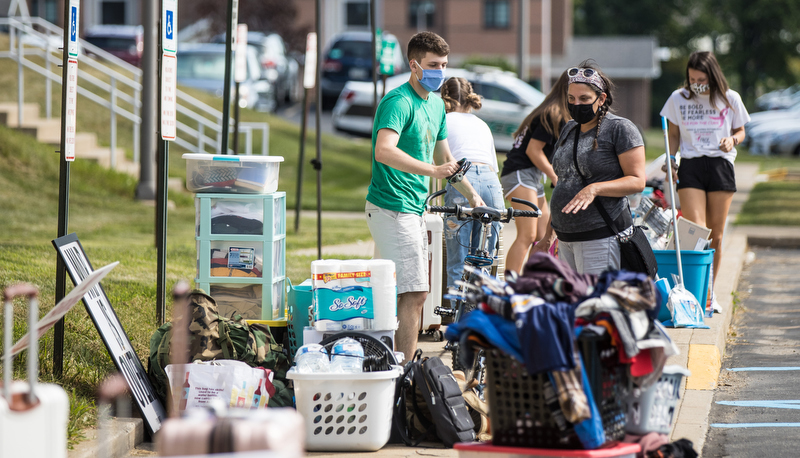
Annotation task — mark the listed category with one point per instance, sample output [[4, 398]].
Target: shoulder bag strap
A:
[[597, 204]]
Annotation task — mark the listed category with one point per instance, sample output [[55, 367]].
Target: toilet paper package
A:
[[354, 295]]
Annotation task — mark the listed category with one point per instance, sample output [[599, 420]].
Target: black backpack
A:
[[443, 414]]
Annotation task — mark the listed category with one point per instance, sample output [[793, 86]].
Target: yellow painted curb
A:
[[705, 364]]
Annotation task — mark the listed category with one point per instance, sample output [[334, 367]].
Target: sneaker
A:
[[714, 304]]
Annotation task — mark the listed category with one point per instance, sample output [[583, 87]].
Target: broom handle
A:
[[672, 199]]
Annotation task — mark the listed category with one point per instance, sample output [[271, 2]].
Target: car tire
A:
[[796, 152]]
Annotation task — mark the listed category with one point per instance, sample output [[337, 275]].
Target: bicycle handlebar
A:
[[484, 214]]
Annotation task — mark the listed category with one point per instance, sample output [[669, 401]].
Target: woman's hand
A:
[[727, 144], [542, 246], [582, 200]]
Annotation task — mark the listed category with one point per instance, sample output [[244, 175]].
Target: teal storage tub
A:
[[696, 269], [299, 300]]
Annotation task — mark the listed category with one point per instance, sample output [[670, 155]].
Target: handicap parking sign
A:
[[74, 16], [168, 21]]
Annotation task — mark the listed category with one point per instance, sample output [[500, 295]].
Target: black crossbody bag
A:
[[635, 251]]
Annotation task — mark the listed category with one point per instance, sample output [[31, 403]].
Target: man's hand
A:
[[444, 170], [476, 201]]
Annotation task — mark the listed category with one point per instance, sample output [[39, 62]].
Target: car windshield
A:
[[350, 50], [209, 66], [120, 43]]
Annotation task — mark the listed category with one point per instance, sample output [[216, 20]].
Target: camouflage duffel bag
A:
[[215, 337]]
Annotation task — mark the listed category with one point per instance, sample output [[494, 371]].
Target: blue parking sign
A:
[[73, 24], [170, 24]]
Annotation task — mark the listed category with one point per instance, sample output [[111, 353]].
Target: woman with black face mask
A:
[[608, 152]]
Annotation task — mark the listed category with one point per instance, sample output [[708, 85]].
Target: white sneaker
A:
[[714, 304]]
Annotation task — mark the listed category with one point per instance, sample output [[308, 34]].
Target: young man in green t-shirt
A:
[[408, 134]]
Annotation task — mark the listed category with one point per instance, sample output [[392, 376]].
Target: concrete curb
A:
[[124, 435], [702, 350]]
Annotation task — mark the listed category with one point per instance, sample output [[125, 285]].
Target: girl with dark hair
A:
[[527, 165], [469, 138], [706, 122], [609, 153]]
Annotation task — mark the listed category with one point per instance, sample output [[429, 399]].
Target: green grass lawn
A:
[[774, 203], [113, 226]]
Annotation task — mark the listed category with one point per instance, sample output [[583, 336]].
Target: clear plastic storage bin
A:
[[232, 174]]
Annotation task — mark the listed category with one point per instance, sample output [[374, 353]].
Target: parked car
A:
[[348, 57], [202, 66], [277, 65], [779, 99], [760, 137], [786, 143], [123, 41], [507, 100]]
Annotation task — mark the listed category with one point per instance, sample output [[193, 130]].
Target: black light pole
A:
[[301, 162], [236, 118], [233, 13], [63, 201], [317, 163], [373, 29]]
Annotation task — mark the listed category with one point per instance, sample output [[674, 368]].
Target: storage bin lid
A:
[[231, 158]]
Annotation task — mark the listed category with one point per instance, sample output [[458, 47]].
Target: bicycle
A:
[[477, 283]]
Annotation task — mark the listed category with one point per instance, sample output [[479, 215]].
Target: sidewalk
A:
[[701, 351]]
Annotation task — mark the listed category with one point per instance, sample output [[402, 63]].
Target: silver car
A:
[[506, 101]]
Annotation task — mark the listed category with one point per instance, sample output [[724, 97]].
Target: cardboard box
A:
[[694, 237]]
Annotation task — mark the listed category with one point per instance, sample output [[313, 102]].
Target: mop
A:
[[683, 305]]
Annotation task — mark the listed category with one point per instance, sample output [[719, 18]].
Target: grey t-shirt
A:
[[617, 135]]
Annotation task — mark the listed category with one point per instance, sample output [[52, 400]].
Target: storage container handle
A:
[[32, 293]]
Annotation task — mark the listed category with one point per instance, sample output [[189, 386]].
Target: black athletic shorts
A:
[[707, 173]]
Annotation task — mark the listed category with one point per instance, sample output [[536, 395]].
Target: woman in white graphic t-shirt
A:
[[706, 122]]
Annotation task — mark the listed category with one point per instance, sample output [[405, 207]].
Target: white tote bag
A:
[[221, 382]]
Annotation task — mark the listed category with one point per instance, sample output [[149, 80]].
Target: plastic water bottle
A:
[[312, 358], [347, 355]]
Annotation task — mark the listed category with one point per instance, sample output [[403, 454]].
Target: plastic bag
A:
[[686, 311]]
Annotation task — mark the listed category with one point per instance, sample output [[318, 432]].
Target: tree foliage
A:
[[756, 41]]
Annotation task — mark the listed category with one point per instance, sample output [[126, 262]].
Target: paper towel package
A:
[[354, 295]]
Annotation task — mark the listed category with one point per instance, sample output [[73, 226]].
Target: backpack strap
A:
[[224, 341], [405, 387]]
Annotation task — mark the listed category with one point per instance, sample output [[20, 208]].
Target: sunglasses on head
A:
[[587, 72]]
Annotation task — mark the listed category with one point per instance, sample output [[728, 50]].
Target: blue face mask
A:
[[431, 80]]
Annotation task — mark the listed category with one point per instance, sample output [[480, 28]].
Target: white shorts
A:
[[401, 237], [592, 256]]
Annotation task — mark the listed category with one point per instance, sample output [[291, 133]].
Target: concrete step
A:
[[43, 130], [102, 155], [9, 113]]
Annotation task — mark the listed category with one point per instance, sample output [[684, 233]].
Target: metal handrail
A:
[[124, 79]]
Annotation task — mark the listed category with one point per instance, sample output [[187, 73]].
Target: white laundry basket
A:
[[346, 412]]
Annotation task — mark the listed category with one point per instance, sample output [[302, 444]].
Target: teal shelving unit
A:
[[241, 253]]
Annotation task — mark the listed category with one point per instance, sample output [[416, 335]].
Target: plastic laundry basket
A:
[[346, 412], [654, 409]]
